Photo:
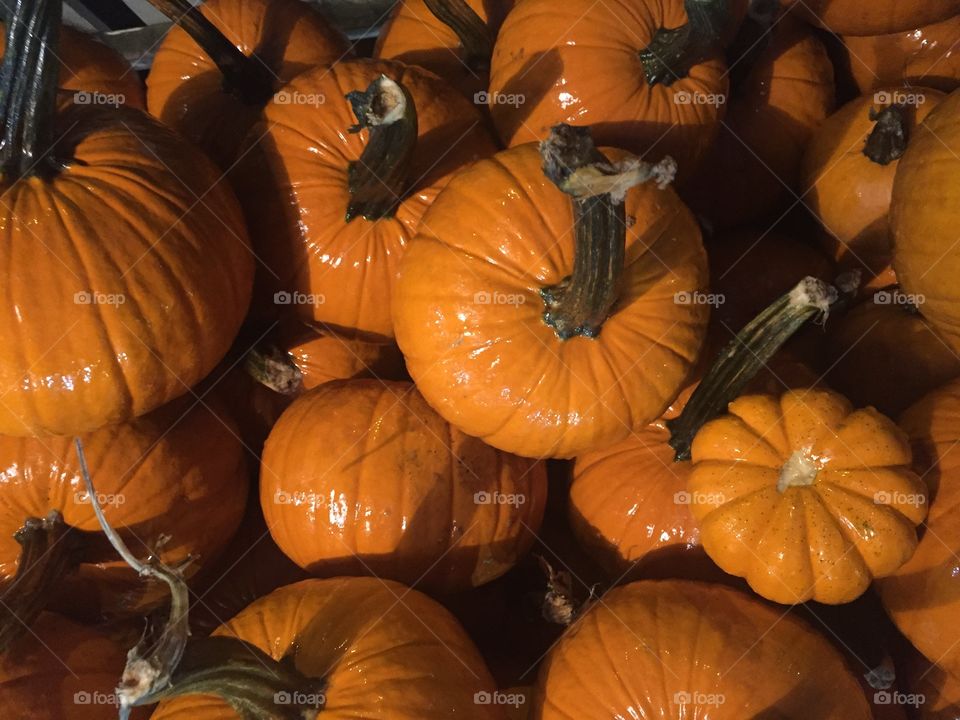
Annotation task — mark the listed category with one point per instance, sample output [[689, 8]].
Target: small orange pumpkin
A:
[[212, 89], [394, 491], [780, 480], [331, 239], [680, 649], [849, 168]]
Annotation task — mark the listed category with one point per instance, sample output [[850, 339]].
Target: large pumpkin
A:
[[328, 250], [923, 56], [853, 17], [848, 172], [924, 215], [781, 97], [393, 490], [416, 36], [679, 649], [177, 473], [778, 481], [601, 65], [122, 288], [469, 311], [214, 105], [922, 597], [380, 650]]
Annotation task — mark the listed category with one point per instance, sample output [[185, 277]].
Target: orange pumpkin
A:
[[923, 56], [780, 480], [924, 215], [60, 671], [330, 251], [782, 98], [122, 289], [354, 635], [214, 90], [885, 354], [679, 649], [921, 597], [492, 256], [853, 17], [416, 36], [849, 168], [177, 473], [394, 491], [934, 692], [603, 65]]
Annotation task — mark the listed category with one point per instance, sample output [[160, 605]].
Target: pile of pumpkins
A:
[[295, 336]]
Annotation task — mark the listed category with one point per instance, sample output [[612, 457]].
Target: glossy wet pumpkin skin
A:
[[185, 87], [921, 598], [578, 62], [413, 35], [924, 214], [49, 672], [361, 634], [649, 642], [852, 17], [177, 472], [121, 222], [923, 56], [393, 490], [755, 162], [468, 312], [805, 497], [345, 271], [849, 192], [323, 356]]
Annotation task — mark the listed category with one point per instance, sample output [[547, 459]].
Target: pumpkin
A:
[[172, 482], [330, 220], [604, 65], [356, 634], [217, 68], [934, 692], [394, 491], [921, 598], [885, 354], [122, 288], [60, 671], [778, 99], [853, 17], [777, 481], [414, 35], [488, 337], [924, 213], [849, 168], [921, 56], [680, 649]]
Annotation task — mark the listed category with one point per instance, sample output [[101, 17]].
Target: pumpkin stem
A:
[[888, 139], [272, 367], [581, 303], [672, 53], [750, 350], [245, 77], [50, 549], [28, 81], [474, 36], [378, 180]]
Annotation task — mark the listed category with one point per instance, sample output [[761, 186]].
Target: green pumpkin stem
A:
[[888, 139], [673, 52], [472, 31], [245, 77], [49, 551], [581, 303], [28, 81], [273, 368], [378, 180], [751, 349]]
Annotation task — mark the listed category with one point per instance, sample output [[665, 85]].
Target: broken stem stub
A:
[[888, 139]]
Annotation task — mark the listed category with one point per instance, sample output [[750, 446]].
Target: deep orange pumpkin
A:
[[680, 649], [853, 17], [186, 89], [295, 184], [394, 491]]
